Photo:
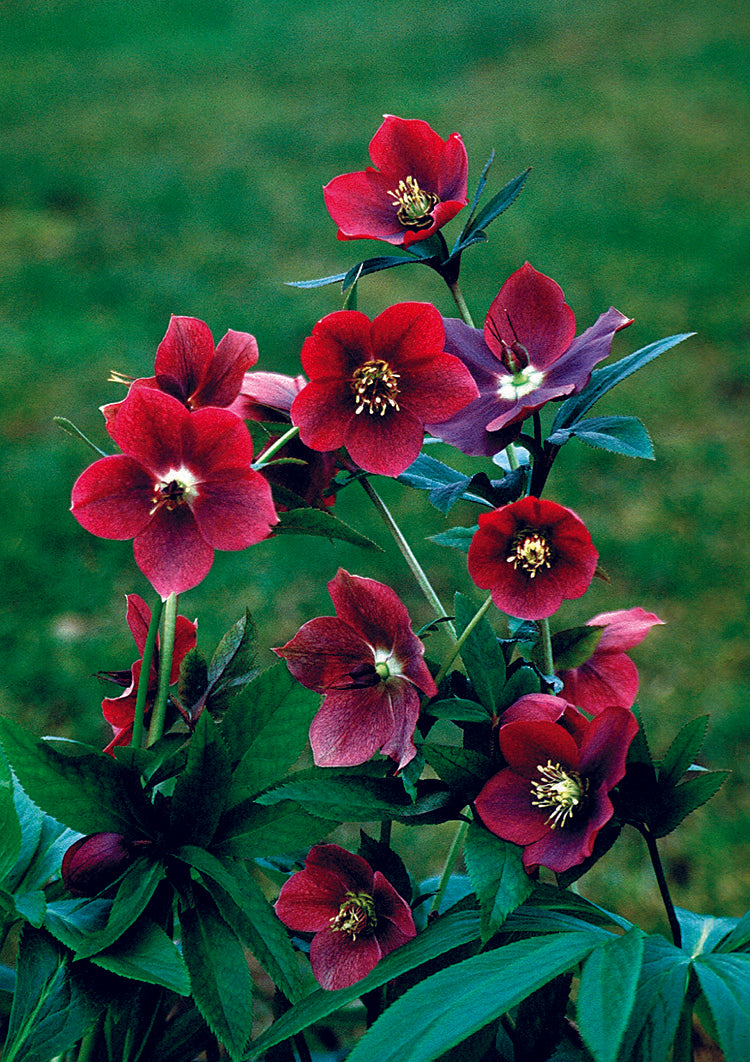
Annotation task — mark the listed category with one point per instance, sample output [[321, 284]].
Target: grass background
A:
[[167, 157]]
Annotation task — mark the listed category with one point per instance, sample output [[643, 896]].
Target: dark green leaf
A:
[[325, 525], [606, 993], [131, 899], [249, 831], [353, 799], [491, 210], [619, 435], [455, 537], [682, 751], [738, 938], [462, 769], [361, 269], [10, 828], [146, 953], [524, 680], [234, 661], [677, 803], [481, 184], [481, 654], [725, 981], [459, 710], [201, 790], [660, 995], [574, 647], [498, 876]]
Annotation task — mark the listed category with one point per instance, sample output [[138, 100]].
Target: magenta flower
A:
[[368, 663], [526, 356], [120, 711], [96, 861], [356, 915], [609, 676], [374, 384], [531, 555], [181, 488], [553, 797], [418, 186]]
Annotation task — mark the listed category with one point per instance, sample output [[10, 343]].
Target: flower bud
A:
[[94, 862]]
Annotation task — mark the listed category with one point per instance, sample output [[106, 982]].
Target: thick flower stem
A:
[[406, 551], [460, 642], [661, 881], [274, 448], [142, 694], [450, 860], [548, 662], [159, 712], [460, 302]]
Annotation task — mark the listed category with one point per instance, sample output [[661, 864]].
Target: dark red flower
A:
[[120, 711], [526, 356], [374, 385], [609, 676], [96, 861], [553, 797], [356, 914], [418, 186], [189, 368], [368, 663], [531, 555], [182, 487]]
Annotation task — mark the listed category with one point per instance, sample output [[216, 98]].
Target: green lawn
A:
[[167, 157]]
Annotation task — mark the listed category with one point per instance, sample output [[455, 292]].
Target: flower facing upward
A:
[[374, 384], [181, 488], [553, 797], [531, 555], [609, 676], [368, 663], [356, 914], [526, 356], [418, 186]]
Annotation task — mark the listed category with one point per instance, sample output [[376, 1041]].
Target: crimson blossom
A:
[[374, 384], [553, 797], [182, 487], [418, 186], [120, 711], [356, 914], [526, 356], [531, 555], [609, 676], [368, 663]]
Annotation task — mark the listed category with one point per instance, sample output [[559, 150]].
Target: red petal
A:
[[222, 380], [138, 619], [605, 680], [113, 497], [360, 205], [563, 848], [322, 411], [504, 806], [395, 920], [183, 356], [405, 703], [410, 147], [354, 872], [386, 445], [337, 961], [605, 746], [214, 440], [234, 509], [530, 307], [530, 745], [323, 652], [172, 553], [149, 427], [623, 629], [338, 344], [351, 726]]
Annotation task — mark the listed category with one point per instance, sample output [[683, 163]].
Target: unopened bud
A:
[[93, 862]]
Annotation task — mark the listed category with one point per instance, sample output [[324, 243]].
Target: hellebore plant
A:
[[372, 840]]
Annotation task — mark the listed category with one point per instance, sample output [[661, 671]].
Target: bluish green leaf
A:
[[249, 830], [677, 803], [738, 938], [702, 933], [481, 654], [322, 524], [146, 953], [234, 660], [619, 435], [455, 537], [682, 751], [133, 895], [660, 995], [491, 210], [725, 981], [458, 709], [370, 265], [606, 993], [200, 793], [497, 874], [10, 828], [481, 184]]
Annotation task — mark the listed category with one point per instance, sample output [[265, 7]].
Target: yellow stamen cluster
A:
[[562, 791], [530, 552], [375, 387], [414, 204], [356, 915]]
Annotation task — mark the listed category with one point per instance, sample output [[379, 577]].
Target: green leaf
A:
[[460, 768], [738, 938], [10, 828], [234, 660], [325, 525], [573, 647], [491, 210], [201, 790], [660, 995], [523, 680], [250, 831], [702, 933], [133, 895], [146, 953], [459, 710], [455, 538], [725, 981], [677, 803], [682, 751], [481, 654], [444, 1010], [448, 933], [498, 876], [355, 799], [361, 269], [619, 435], [221, 982], [266, 729], [77, 784], [606, 993]]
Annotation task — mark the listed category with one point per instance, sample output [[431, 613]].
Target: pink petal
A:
[[149, 428], [625, 628], [405, 703], [113, 497], [222, 380], [351, 726], [264, 392], [215, 439], [172, 553]]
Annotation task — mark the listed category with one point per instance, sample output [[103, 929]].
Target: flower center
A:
[[375, 387], [562, 791], [414, 204], [520, 383], [530, 552], [178, 487], [356, 916]]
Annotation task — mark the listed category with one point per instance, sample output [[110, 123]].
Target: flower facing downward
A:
[[553, 797], [418, 186], [374, 384], [182, 487], [368, 663], [96, 861], [356, 914], [531, 555]]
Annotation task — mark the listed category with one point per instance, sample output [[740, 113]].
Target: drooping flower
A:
[[120, 711], [553, 797], [609, 676], [192, 370], [526, 356], [356, 914], [96, 861], [368, 663], [182, 487], [418, 186], [531, 555], [374, 384]]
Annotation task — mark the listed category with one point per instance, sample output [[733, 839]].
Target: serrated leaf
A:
[[133, 895], [491, 210], [459, 710], [481, 184], [146, 953], [676, 804], [455, 537], [481, 654], [322, 524], [660, 996], [462, 769], [725, 981], [606, 993], [201, 790], [10, 828], [354, 799], [249, 830], [498, 876], [572, 648], [680, 754], [618, 435], [233, 662]]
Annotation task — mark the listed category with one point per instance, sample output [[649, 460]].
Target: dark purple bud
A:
[[96, 861]]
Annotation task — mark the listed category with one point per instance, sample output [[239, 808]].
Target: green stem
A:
[[416, 568], [460, 641], [274, 448], [460, 302], [159, 713], [661, 881], [89, 1043], [548, 662], [450, 860], [148, 654]]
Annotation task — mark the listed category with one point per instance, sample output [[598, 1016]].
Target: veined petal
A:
[[149, 427], [183, 356], [337, 961], [405, 711], [351, 726], [623, 629], [386, 445], [606, 679], [504, 806], [234, 509], [530, 308], [527, 745], [221, 380], [172, 553], [215, 440], [605, 746], [324, 652], [113, 497]]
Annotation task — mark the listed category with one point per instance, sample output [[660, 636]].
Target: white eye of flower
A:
[[520, 384]]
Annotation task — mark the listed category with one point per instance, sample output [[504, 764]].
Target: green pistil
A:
[[414, 204], [356, 916], [561, 791]]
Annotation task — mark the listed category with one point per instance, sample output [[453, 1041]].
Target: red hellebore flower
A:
[[181, 488], [418, 186], [356, 915], [368, 663], [609, 676], [96, 861], [373, 385], [120, 711], [531, 555], [526, 355], [189, 368], [553, 797]]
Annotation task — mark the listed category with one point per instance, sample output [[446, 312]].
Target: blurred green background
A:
[[167, 156]]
